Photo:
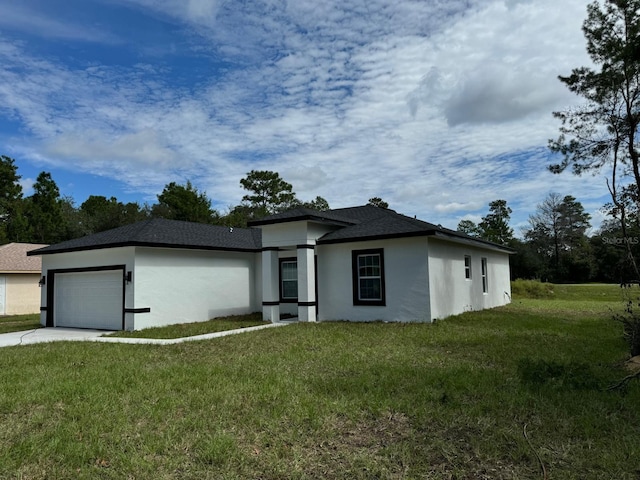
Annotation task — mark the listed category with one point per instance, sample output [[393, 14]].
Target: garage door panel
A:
[[89, 300]]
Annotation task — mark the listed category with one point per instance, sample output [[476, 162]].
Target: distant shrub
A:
[[531, 289]]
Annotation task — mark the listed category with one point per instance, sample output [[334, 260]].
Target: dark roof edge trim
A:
[[470, 240], [145, 244], [427, 233]]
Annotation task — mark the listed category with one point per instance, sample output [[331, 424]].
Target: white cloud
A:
[[454, 207], [347, 99], [18, 16], [145, 148], [198, 12], [501, 64], [27, 186], [496, 94]]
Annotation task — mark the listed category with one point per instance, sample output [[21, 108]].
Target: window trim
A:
[[282, 261], [468, 271], [484, 270], [355, 275]]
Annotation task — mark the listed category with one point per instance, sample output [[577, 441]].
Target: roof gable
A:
[[368, 222]]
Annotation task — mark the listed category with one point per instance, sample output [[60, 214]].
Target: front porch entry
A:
[[285, 290]]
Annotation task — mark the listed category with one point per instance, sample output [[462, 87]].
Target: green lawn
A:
[[336, 400], [18, 323]]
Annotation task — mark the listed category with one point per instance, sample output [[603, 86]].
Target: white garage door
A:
[[88, 300]]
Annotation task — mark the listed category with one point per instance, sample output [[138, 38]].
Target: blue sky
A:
[[437, 106]]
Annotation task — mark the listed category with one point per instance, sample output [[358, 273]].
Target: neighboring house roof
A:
[[14, 259], [370, 223], [159, 232]]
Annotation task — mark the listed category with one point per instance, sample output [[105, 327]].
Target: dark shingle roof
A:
[[159, 232], [370, 223], [352, 224]]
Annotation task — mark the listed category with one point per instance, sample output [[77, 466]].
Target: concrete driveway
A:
[[55, 334], [41, 335]]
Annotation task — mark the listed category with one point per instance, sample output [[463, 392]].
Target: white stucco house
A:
[[359, 264], [19, 279]]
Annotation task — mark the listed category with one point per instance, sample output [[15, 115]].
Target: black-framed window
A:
[[467, 267], [485, 280], [368, 277], [288, 279]]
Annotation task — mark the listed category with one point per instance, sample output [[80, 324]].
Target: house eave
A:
[[18, 272], [428, 233], [477, 242], [146, 244]]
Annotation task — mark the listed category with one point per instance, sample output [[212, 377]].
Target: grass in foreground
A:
[[197, 328], [334, 400], [18, 323]]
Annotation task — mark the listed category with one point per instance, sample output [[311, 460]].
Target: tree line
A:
[[554, 246], [48, 217]]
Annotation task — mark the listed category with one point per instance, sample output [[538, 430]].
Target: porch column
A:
[[270, 285], [306, 283]]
